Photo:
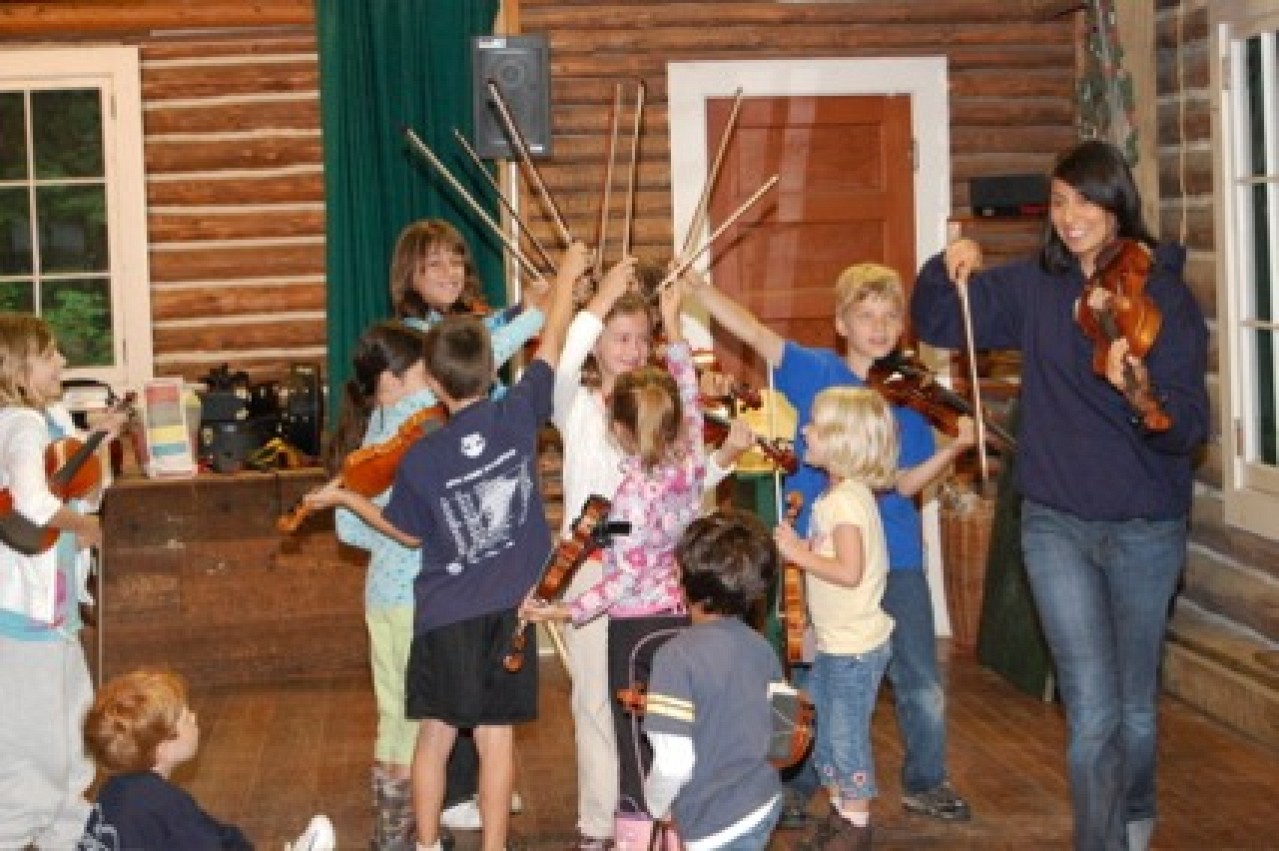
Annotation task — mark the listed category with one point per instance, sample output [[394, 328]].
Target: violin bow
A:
[[633, 175], [698, 221], [421, 147], [521, 148], [601, 235], [510, 208], [688, 259], [970, 349]]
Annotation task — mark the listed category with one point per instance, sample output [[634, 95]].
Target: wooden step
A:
[[1225, 670], [1238, 591]]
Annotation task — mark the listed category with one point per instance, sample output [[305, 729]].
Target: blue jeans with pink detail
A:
[[843, 689]]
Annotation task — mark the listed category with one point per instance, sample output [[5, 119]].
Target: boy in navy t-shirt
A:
[[468, 495]]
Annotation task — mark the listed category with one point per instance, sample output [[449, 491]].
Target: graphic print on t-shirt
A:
[[485, 507]]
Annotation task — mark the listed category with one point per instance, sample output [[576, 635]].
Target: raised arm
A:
[[571, 267], [737, 320]]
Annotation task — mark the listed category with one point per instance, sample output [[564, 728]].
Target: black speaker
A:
[[520, 66], [1008, 195]]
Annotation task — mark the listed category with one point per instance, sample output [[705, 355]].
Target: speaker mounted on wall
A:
[[520, 66]]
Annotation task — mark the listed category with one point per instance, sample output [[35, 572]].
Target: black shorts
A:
[[456, 674]]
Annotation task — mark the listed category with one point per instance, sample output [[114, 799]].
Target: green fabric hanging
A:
[[386, 65]]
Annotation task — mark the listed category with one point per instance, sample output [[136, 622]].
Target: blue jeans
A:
[[918, 696], [756, 839], [844, 689], [1103, 589]]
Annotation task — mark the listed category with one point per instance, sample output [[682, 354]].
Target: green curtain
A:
[[386, 65]]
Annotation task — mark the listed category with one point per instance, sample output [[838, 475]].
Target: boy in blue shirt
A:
[[870, 306]]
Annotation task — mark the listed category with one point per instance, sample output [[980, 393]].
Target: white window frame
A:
[[116, 71], [1250, 487]]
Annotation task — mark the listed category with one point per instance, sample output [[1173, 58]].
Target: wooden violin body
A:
[[370, 470], [794, 606], [586, 537], [780, 452], [903, 380], [1129, 314], [74, 470]]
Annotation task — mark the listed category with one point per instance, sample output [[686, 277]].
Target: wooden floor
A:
[[272, 756]]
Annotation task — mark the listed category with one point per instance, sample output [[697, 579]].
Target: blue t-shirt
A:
[[802, 374], [469, 491]]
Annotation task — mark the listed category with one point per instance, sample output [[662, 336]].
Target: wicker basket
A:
[[965, 520]]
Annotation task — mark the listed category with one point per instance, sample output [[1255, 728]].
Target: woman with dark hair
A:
[[1106, 496]]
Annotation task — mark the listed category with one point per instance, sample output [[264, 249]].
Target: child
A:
[[614, 333], [44, 771], [467, 494], [707, 713], [853, 437], [656, 419], [387, 387], [432, 276], [870, 315], [139, 730]]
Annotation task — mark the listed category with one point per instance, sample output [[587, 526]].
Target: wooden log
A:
[[209, 190], [232, 264], [230, 301], [197, 155], [233, 78], [276, 334], [230, 43], [234, 223], [303, 114], [64, 17], [646, 16]]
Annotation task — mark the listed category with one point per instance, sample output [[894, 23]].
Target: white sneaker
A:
[[318, 836], [462, 816]]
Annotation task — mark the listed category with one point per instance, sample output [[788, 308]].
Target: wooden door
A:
[[846, 195]]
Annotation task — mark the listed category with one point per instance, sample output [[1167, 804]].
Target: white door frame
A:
[[924, 79]]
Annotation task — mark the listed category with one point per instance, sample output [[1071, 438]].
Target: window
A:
[[1246, 94], [73, 244]]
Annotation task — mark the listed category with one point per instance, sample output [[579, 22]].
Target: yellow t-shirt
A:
[[849, 620]]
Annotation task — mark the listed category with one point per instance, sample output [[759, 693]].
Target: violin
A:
[[903, 380], [1123, 267], [589, 533], [779, 451], [74, 470], [792, 714], [794, 607], [370, 470]]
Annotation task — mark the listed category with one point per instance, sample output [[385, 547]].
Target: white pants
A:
[[44, 771], [592, 714]]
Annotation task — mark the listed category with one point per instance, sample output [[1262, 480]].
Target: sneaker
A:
[[318, 836], [942, 803], [462, 816], [591, 843]]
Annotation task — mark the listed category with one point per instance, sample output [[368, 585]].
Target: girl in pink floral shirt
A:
[[655, 417]]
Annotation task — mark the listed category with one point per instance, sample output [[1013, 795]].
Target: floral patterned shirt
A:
[[640, 576]]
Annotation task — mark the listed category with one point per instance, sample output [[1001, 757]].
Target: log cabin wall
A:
[[1222, 654], [234, 172], [1012, 70]]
